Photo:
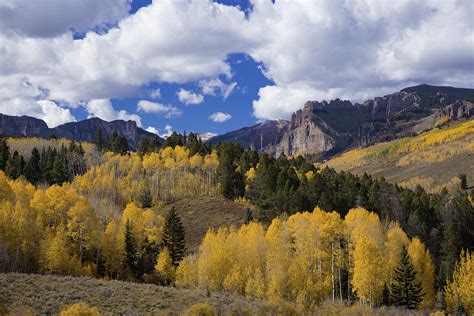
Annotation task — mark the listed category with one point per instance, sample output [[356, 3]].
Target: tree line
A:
[[44, 165]]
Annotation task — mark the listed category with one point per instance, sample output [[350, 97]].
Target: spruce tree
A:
[[144, 194], [406, 292], [4, 153], [248, 216], [173, 237], [33, 170], [131, 251]]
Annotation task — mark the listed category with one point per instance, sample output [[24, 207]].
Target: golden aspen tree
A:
[[459, 292], [421, 259], [164, 266], [256, 285], [82, 226], [366, 241], [112, 248], [214, 263], [57, 257], [278, 258], [396, 239], [187, 272], [6, 193]]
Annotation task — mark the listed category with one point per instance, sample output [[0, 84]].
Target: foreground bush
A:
[[81, 309]]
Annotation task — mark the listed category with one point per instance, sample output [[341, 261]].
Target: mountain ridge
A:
[[85, 130], [321, 128]]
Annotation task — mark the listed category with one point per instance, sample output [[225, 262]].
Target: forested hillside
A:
[[434, 159], [310, 234]]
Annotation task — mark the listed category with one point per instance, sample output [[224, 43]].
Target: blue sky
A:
[[216, 66]]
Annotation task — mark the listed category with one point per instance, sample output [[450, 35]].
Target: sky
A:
[[214, 66]]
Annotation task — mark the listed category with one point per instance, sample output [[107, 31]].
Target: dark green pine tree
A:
[[131, 251], [405, 292], [248, 216], [100, 140], [4, 153], [33, 169], [144, 194], [13, 168], [173, 237]]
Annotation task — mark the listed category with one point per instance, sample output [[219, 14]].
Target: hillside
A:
[[433, 159], [202, 213], [47, 294]]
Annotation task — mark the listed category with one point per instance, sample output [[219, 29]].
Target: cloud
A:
[[102, 108], [220, 117], [47, 110], [153, 130], [357, 49], [188, 97], [206, 136], [168, 111], [168, 131], [155, 94], [216, 87], [138, 51], [48, 18], [352, 49]]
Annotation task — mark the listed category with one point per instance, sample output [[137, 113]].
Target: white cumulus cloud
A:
[[103, 109], [168, 111], [220, 117], [188, 97], [215, 86]]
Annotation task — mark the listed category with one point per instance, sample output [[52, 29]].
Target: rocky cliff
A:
[[85, 130], [322, 129]]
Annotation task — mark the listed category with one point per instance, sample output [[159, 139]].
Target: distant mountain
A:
[[257, 137], [322, 129], [25, 126]]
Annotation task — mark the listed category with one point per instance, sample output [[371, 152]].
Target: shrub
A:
[[81, 309], [200, 309]]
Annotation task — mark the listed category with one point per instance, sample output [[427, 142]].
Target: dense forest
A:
[[312, 234]]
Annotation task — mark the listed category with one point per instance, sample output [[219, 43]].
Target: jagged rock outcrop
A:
[[322, 129], [85, 130], [257, 137]]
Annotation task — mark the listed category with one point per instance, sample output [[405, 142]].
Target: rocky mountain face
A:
[[322, 129], [85, 130], [259, 137]]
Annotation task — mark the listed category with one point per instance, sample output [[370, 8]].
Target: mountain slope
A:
[[85, 130], [433, 159], [322, 129]]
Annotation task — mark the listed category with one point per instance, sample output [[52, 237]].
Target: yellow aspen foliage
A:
[[82, 225], [396, 239], [164, 266], [368, 277], [277, 260], [186, 273], [366, 253], [81, 309], [57, 257], [6, 192], [461, 289], [256, 285], [423, 264], [112, 248], [214, 263]]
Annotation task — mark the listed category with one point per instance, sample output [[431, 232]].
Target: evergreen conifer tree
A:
[[144, 194], [173, 237], [131, 250], [4, 153], [406, 292], [248, 217]]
